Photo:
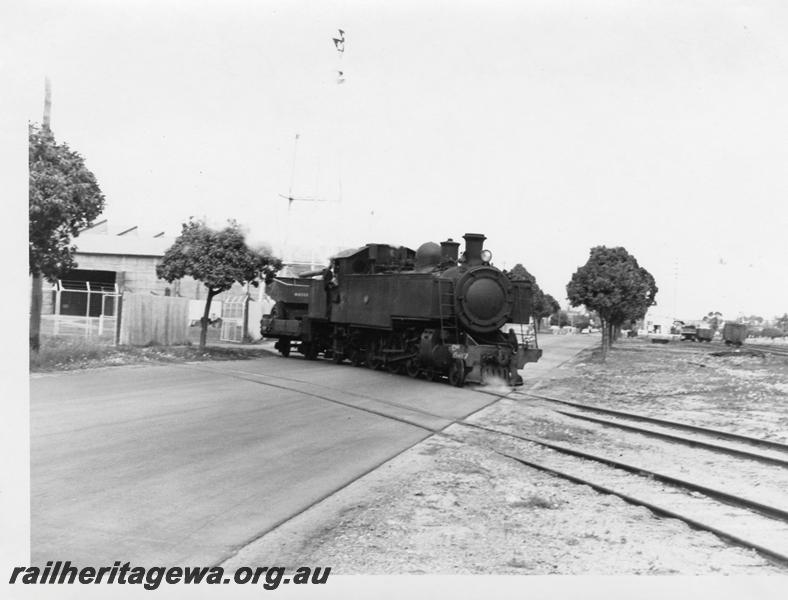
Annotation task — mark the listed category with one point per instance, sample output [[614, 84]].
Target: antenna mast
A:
[[47, 103]]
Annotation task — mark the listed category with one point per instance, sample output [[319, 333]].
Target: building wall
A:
[[137, 274]]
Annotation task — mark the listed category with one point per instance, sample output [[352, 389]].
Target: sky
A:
[[549, 126]]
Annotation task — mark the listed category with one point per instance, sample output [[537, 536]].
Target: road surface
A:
[[186, 464]]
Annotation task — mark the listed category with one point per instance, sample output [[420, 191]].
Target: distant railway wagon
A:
[[427, 313], [699, 334], [734, 333]]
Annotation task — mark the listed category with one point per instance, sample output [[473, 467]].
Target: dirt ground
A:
[[450, 505], [684, 381]]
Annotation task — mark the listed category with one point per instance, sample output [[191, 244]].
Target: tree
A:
[[551, 305], [217, 259], [64, 199], [582, 321], [782, 322], [560, 318], [615, 286], [542, 304]]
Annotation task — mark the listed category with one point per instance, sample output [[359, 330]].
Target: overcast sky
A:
[[549, 126]]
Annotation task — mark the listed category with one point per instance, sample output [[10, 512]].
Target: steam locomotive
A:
[[426, 313]]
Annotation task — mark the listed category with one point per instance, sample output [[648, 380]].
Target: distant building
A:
[[656, 322], [116, 260]]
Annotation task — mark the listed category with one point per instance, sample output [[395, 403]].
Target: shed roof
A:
[[103, 238]]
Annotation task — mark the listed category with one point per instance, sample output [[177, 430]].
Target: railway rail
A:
[[740, 516], [778, 451], [778, 349], [739, 520]]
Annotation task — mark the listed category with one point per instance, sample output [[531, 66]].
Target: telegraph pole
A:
[[37, 281]]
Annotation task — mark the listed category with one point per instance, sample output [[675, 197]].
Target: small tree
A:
[[551, 306], [217, 259], [542, 304], [782, 322], [582, 321], [612, 284], [64, 199]]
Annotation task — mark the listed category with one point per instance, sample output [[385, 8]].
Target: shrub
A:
[[772, 332]]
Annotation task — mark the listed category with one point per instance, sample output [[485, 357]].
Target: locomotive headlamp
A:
[[486, 256]]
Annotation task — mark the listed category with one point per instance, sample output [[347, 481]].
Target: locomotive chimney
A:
[[450, 249], [473, 248]]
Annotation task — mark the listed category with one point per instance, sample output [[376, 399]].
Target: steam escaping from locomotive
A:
[[430, 313]]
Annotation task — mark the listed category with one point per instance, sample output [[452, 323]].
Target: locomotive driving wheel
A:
[[373, 362], [356, 357]]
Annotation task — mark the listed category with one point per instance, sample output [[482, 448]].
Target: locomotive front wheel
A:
[[457, 373], [283, 345]]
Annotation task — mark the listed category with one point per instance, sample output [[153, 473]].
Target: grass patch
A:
[[68, 354], [535, 501]]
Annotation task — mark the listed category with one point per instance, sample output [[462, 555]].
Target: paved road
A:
[[185, 464]]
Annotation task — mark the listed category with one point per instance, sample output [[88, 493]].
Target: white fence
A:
[[98, 307], [82, 309]]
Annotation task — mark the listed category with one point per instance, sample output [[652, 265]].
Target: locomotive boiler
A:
[[431, 313]]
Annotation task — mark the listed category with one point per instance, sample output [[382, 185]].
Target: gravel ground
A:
[[683, 381], [451, 505], [765, 483]]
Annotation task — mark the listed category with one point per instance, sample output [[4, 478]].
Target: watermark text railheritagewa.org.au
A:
[[64, 573]]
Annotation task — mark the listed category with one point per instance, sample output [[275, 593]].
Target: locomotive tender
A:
[[430, 312]]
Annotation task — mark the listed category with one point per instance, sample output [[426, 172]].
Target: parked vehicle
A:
[[704, 334], [734, 333], [697, 334], [689, 332]]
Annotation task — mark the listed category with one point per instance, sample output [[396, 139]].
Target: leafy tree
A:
[[64, 199], [551, 305], [615, 286], [543, 304], [582, 321], [782, 322], [772, 332], [217, 259], [560, 318]]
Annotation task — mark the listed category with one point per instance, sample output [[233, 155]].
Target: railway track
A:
[[779, 350], [738, 445], [735, 518], [749, 515], [742, 521]]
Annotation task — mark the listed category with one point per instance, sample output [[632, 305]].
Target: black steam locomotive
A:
[[426, 313]]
